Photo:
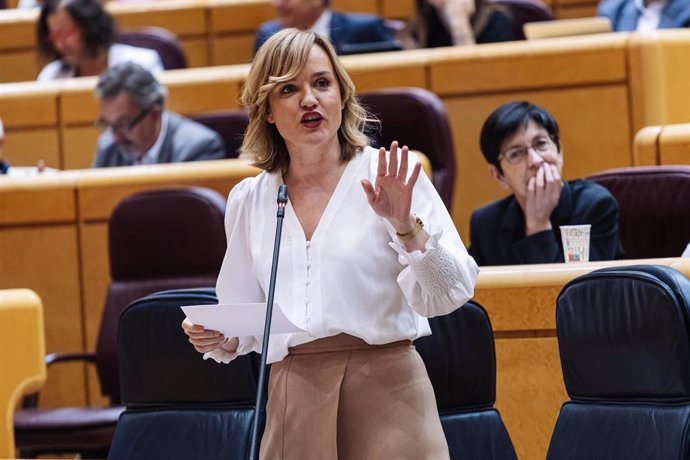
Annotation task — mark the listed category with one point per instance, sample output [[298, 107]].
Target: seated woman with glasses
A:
[[138, 128], [78, 37], [520, 142]]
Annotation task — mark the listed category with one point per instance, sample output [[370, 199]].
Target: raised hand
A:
[[543, 193], [391, 195]]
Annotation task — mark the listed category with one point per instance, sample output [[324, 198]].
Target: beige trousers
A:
[[340, 398]]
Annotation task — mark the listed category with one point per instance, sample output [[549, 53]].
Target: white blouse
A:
[[118, 53], [354, 276]]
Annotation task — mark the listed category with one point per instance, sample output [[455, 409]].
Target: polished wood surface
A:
[[22, 358]]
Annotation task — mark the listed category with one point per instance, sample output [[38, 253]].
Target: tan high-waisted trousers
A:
[[340, 398]]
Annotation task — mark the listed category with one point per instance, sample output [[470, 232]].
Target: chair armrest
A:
[[87, 356], [30, 401]]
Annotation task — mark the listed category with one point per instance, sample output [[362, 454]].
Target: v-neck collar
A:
[[340, 192]]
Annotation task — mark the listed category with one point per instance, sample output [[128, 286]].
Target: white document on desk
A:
[[239, 319]]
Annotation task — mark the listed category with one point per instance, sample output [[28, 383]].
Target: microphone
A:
[[259, 404]]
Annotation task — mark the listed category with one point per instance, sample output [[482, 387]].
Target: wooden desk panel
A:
[[674, 144], [197, 51], [529, 392], [660, 77], [397, 9], [45, 259], [79, 144], [24, 105], [231, 49], [540, 64], [17, 28], [646, 146], [18, 66], [183, 18], [238, 16], [27, 147], [40, 200]]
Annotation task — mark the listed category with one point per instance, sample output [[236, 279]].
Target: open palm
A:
[[391, 195]]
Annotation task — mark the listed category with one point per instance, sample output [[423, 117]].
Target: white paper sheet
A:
[[239, 319]]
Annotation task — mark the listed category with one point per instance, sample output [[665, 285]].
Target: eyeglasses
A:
[[541, 145], [123, 127]]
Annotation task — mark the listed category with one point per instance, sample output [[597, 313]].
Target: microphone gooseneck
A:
[[260, 391]]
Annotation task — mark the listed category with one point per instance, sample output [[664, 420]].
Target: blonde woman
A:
[[368, 253]]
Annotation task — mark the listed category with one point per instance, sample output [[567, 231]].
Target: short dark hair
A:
[[96, 24], [506, 120]]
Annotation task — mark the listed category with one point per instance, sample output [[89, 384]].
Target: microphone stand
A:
[[258, 408]]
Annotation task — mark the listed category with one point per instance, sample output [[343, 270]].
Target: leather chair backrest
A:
[[230, 125], [164, 42], [178, 404], [417, 118], [158, 239], [524, 11], [653, 202], [624, 343], [461, 361]]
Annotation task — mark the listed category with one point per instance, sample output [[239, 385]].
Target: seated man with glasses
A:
[[520, 142], [139, 130]]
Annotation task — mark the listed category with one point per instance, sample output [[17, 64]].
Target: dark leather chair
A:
[[624, 342], [524, 11], [230, 125], [653, 202], [179, 406], [417, 118], [461, 361], [164, 42], [159, 239]]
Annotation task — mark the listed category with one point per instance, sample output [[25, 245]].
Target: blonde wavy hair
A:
[[281, 58]]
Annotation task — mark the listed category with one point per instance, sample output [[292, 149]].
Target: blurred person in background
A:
[[78, 37], [461, 22], [316, 15], [645, 15], [139, 130]]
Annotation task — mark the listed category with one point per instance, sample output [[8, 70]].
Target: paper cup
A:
[[575, 242]]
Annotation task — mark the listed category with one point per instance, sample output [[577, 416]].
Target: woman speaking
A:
[[368, 253]]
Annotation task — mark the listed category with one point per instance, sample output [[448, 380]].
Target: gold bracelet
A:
[[418, 225]]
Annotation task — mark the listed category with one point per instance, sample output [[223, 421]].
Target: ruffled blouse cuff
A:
[[411, 258], [223, 356]]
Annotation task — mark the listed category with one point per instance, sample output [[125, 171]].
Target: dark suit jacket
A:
[[345, 29], [497, 230], [185, 140], [624, 15]]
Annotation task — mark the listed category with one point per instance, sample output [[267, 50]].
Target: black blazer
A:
[[497, 230]]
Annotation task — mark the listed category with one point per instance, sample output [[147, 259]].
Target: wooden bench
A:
[[212, 32]]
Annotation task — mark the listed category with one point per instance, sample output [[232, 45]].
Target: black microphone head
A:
[[283, 194]]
